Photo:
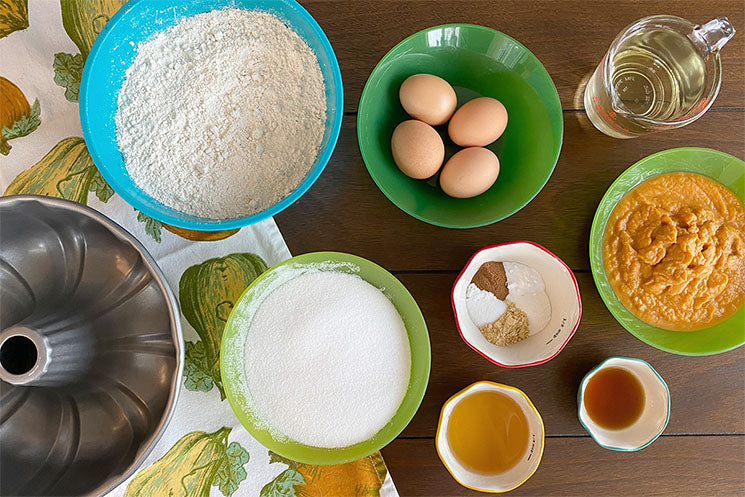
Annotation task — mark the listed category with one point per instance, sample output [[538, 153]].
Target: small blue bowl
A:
[[114, 51]]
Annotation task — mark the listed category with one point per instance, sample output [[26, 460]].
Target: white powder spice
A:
[[483, 307], [222, 115], [327, 360]]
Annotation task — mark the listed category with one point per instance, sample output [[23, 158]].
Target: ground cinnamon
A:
[[492, 278]]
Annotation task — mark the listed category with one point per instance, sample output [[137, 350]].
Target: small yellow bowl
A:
[[510, 479]]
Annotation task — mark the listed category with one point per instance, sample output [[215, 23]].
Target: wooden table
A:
[[702, 452]]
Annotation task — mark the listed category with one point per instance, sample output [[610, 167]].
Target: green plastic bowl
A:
[[477, 61], [721, 167], [233, 369]]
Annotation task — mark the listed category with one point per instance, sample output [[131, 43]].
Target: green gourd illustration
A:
[[67, 171], [83, 20], [192, 466], [207, 293], [13, 16]]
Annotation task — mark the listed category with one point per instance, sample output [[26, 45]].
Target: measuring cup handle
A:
[[715, 33]]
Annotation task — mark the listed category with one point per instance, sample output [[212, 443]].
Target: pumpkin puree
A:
[[674, 251]]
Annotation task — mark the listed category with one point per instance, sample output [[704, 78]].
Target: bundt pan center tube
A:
[[91, 354]]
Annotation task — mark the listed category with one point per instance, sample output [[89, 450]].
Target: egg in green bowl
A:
[[478, 62]]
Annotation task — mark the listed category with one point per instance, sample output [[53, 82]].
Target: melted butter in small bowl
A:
[[490, 437]]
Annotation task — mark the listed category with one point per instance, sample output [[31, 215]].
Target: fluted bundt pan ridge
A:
[[91, 352]]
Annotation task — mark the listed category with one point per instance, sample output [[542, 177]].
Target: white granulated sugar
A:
[[223, 114], [327, 360]]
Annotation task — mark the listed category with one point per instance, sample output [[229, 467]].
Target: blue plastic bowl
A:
[[112, 54]]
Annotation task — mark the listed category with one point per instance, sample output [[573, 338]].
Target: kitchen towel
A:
[[204, 451]]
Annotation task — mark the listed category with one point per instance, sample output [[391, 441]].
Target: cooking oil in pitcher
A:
[[660, 75], [653, 77]]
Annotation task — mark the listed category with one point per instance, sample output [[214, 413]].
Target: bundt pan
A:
[[91, 352]]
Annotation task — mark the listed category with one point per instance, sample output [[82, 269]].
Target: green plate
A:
[[721, 167], [477, 61], [233, 370]]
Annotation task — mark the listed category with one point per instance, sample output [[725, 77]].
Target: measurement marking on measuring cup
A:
[[660, 73]]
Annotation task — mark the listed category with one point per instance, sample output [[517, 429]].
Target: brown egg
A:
[[428, 98], [470, 172], [417, 149], [478, 122]]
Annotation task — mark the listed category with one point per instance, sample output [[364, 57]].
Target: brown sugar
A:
[[509, 328], [492, 278]]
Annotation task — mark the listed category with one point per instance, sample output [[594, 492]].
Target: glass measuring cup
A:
[[661, 72]]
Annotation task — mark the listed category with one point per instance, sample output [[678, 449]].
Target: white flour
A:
[[222, 115], [327, 360]]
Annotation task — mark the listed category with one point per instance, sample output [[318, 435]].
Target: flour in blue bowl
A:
[[222, 115]]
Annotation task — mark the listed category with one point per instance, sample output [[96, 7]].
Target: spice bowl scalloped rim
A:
[[461, 475], [588, 426], [462, 321]]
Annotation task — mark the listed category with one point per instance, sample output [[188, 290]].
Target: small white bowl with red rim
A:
[[563, 293]]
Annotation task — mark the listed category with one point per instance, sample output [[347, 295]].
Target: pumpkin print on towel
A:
[[201, 236], [17, 117], [154, 228], [193, 459], [13, 16], [197, 462], [360, 478], [67, 171], [207, 294]]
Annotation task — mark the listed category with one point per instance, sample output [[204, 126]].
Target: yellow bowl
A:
[[515, 476]]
